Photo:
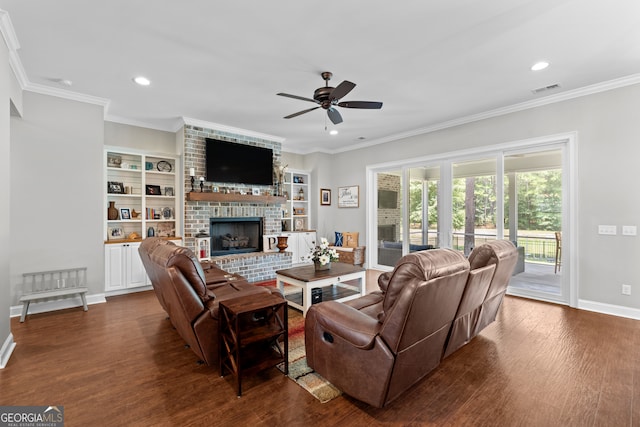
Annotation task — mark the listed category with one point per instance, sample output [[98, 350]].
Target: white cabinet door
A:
[[123, 267], [136, 274], [292, 245], [114, 265], [306, 243]]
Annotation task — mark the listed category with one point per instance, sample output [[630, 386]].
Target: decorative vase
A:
[[320, 267], [282, 243], [112, 212]]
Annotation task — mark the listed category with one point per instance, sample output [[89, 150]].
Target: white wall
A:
[[608, 147], [56, 189]]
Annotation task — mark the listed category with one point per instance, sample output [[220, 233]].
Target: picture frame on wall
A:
[[349, 197], [325, 197]]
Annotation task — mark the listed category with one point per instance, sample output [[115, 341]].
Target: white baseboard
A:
[[60, 304], [6, 350], [614, 310]]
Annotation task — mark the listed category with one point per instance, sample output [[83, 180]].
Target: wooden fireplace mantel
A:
[[196, 196]]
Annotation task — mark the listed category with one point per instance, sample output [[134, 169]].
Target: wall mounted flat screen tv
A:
[[387, 199], [235, 163]]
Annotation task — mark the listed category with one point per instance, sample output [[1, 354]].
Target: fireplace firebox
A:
[[235, 235]]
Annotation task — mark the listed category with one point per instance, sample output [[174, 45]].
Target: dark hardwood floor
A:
[[122, 364]]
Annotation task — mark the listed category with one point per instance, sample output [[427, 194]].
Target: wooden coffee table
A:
[[307, 278]]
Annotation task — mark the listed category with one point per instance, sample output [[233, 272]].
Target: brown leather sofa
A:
[[492, 265], [375, 347], [180, 284]]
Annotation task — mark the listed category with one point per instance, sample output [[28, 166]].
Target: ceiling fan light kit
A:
[[329, 97]]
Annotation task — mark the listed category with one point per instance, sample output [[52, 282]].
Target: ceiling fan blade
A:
[[291, 116], [302, 98], [341, 90], [334, 116], [371, 105]]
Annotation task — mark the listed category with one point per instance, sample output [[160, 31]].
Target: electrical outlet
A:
[[608, 229], [626, 289]]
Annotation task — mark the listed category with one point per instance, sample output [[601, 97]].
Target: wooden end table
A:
[[307, 278], [253, 335]]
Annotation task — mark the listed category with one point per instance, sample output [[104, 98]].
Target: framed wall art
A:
[[348, 197], [325, 197]]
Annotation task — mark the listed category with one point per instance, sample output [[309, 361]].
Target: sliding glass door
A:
[[475, 203], [515, 192]]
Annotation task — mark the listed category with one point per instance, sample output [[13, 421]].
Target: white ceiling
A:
[[432, 63]]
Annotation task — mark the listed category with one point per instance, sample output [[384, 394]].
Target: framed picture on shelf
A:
[[125, 213], [348, 197], [299, 224], [255, 191], [114, 161], [325, 197], [168, 191], [153, 190], [115, 187], [115, 233], [166, 229]]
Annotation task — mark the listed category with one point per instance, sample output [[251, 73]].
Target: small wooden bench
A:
[[53, 284]]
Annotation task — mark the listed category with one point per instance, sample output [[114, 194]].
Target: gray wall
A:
[[56, 189], [139, 138], [5, 190], [608, 149]]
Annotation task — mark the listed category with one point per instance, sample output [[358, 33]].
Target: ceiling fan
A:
[[328, 97]]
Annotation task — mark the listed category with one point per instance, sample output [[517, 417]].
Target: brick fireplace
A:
[[198, 215]]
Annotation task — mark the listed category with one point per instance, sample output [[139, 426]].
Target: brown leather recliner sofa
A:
[[492, 265], [375, 347], [179, 282]]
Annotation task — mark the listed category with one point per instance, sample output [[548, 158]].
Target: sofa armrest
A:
[[346, 322]]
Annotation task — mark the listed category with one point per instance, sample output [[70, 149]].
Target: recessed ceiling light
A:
[[142, 81], [539, 66], [333, 132]]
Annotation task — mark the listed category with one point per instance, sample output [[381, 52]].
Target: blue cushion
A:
[[338, 239], [392, 245], [414, 248]]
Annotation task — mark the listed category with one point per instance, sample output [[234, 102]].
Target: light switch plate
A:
[[629, 230], [608, 229]]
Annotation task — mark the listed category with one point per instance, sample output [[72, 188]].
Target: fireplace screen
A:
[[235, 235]]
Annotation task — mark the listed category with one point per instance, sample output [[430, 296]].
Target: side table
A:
[[253, 335]]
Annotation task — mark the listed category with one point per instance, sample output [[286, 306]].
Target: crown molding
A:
[[552, 99], [67, 94], [224, 128], [11, 40]]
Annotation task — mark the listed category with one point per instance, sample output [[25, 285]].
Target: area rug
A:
[[299, 371]]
